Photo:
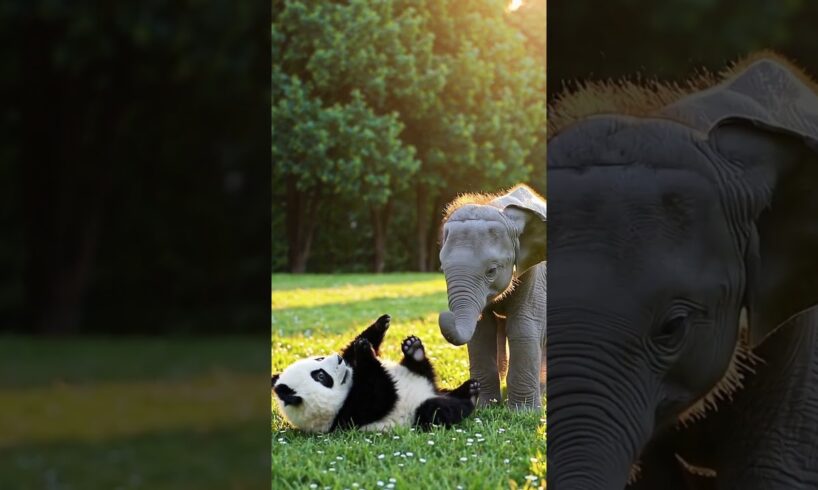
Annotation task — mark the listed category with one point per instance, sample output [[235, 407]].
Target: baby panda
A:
[[356, 389]]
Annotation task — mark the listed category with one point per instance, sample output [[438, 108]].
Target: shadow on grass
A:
[[340, 317], [312, 281]]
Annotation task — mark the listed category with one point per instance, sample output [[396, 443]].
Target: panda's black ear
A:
[[274, 379], [287, 395]]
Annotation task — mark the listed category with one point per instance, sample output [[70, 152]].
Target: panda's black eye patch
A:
[[322, 377]]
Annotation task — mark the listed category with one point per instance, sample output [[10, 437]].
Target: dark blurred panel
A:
[[134, 244], [135, 167]]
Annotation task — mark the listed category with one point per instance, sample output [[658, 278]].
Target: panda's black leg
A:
[[414, 358], [373, 333], [467, 391], [443, 410]]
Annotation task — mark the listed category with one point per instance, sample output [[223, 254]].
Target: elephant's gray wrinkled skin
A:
[[493, 256], [663, 228]]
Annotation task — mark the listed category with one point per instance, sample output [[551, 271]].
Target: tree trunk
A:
[[380, 223], [422, 216], [435, 214], [301, 215]]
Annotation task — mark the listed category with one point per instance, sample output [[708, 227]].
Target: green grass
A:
[[134, 413], [312, 315]]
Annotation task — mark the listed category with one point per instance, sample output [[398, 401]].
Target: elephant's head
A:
[[487, 241], [663, 227]]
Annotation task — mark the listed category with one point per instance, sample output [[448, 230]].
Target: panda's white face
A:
[[310, 392]]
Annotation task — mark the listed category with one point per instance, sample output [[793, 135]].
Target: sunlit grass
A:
[[348, 293], [496, 448]]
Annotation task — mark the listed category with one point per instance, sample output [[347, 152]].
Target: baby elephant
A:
[[356, 389], [493, 256]]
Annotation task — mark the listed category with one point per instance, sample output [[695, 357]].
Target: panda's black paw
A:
[[469, 390], [382, 323], [412, 347], [474, 390]]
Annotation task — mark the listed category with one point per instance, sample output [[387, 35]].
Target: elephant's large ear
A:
[[763, 122], [527, 212]]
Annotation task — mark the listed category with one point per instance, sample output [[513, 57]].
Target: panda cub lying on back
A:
[[357, 389]]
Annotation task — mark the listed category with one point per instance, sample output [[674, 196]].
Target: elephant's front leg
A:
[[525, 356], [483, 359], [525, 328]]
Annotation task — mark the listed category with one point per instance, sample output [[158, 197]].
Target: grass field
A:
[[136, 413], [317, 314]]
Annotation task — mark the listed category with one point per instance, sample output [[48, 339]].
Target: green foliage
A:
[[374, 98], [316, 314]]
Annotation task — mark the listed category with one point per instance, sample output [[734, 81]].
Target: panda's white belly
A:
[[412, 391]]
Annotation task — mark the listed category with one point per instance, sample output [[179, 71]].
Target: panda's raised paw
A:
[[412, 347], [383, 322]]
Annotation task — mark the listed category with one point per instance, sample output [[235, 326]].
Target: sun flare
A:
[[514, 5]]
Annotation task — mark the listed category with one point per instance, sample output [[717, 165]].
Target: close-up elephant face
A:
[[663, 234]]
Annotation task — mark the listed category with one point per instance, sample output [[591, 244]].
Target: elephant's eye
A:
[[673, 331], [491, 272]]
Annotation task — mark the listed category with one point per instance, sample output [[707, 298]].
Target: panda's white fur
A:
[[320, 404], [412, 389]]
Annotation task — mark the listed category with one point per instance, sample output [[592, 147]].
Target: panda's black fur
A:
[[381, 392]]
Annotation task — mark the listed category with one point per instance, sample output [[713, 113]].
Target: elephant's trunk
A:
[[458, 327], [598, 414], [467, 298]]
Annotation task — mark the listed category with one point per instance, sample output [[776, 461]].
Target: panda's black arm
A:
[[373, 333], [373, 393]]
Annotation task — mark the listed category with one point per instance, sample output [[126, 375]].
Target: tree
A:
[[457, 75]]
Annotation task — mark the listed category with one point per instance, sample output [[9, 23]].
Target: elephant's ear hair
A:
[[763, 125], [527, 211]]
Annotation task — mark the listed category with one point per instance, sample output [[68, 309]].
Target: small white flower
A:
[[392, 480], [355, 485], [469, 440], [530, 477], [459, 431], [501, 430], [380, 483], [468, 444], [431, 443], [481, 440], [478, 435], [410, 454], [332, 463], [396, 453], [505, 461], [422, 460], [319, 452], [463, 458], [400, 465], [313, 485], [390, 485], [395, 437], [339, 458], [533, 460], [381, 456], [332, 469]]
